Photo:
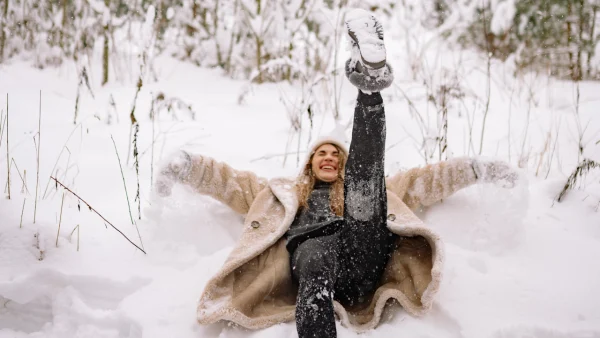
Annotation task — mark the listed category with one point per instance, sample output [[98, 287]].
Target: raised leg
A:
[[365, 241]]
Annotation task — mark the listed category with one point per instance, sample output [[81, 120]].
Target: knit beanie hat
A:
[[336, 138]]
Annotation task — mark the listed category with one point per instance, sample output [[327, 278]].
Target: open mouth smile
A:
[[328, 167]]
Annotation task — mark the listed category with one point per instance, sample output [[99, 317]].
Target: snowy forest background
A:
[[300, 42], [95, 95], [290, 40]]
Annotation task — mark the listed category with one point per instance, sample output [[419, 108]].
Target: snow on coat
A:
[[254, 287]]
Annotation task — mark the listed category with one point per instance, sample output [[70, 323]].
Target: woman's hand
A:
[[494, 171], [177, 168]]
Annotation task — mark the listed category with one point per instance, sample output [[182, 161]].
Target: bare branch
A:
[[97, 213]]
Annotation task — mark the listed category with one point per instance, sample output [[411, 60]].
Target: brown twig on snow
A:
[[97, 213]]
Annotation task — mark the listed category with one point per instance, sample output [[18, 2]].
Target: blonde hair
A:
[[305, 183]]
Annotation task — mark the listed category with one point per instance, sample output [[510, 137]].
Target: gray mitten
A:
[[495, 171], [177, 168]]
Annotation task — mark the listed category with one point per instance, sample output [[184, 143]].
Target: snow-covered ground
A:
[[518, 263]]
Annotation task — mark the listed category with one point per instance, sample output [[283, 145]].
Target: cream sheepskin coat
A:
[[254, 287]]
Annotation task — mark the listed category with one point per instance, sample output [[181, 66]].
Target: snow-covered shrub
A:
[[555, 37]]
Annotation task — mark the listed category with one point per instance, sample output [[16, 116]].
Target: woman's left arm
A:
[[434, 182]]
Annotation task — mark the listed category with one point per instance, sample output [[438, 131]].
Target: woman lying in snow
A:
[[341, 237]]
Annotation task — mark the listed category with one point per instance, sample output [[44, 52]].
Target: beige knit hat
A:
[[327, 139]]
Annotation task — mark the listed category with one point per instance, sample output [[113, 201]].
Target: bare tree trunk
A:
[[215, 32], [189, 28], [65, 15], [580, 43], [592, 40], [569, 17], [259, 79], [2, 30], [231, 41], [105, 51]]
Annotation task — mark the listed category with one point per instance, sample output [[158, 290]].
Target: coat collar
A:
[[284, 190]]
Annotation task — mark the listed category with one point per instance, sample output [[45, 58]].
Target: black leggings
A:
[[347, 265]]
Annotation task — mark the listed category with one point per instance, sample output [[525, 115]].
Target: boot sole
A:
[[374, 65]]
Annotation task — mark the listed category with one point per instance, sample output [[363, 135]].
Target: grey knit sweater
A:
[[316, 220]]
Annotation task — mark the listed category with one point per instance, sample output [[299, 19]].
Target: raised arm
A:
[[236, 189], [432, 183]]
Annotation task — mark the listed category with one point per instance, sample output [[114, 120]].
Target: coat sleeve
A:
[[432, 183], [236, 189]]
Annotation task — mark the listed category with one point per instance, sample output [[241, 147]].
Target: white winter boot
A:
[[367, 68]]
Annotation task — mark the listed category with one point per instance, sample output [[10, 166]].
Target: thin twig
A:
[[97, 213], [267, 157], [123, 177], [60, 219], [126, 194]]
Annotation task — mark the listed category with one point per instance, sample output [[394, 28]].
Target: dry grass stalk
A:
[[97, 213], [137, 168], [22, 179], [123, 177], [553, 148], [60, 219], [135, 128], [139, 85], [24, 187], [126, 194], [71, 235], [22, 210], [582, 169], [83, 79]]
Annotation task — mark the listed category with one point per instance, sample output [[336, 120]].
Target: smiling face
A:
[[325, 163]]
